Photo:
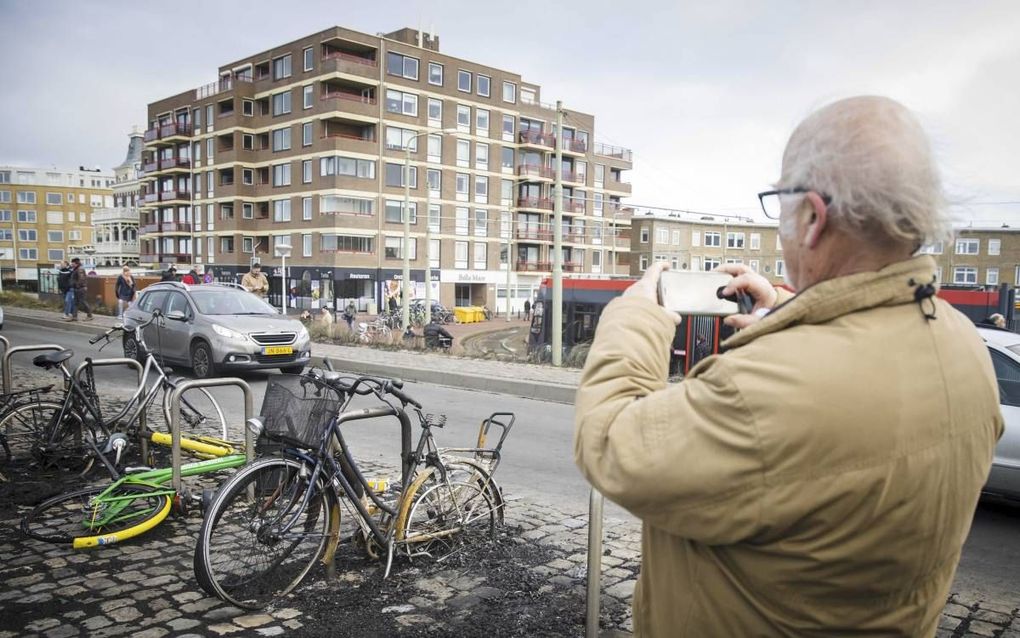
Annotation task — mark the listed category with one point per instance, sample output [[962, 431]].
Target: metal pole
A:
[[405, 319], [428, 245], [10, 352], [557, 261], [509, 250], [283, 285], [592, 603]]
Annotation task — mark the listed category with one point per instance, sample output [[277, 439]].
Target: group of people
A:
[[192, 277], [72, 281]]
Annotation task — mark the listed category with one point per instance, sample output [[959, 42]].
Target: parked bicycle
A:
[[272, 522], [371, 331]]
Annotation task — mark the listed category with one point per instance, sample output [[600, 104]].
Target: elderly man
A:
[[820, 477], [255, 281]]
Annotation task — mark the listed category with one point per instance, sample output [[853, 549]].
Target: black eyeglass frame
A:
[[788, 191]]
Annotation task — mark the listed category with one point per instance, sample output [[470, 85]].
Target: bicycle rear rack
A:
[[175, 419]]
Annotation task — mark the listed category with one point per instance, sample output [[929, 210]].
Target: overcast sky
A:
[[705, 93]]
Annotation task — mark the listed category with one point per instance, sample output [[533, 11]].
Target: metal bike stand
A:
[[5, 342], [10, 352], [143, 441], [593, 602], [175, 419]]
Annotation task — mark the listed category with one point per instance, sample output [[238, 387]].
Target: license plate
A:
[[278, 350]]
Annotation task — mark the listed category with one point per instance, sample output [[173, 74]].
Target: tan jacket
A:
[[819, 479], [257, 284]]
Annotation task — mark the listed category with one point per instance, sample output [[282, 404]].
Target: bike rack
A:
[[131, 363], [5, 367], [5, 342], [593, 601], [175, 419]]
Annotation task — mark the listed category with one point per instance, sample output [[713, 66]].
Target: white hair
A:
[[871, 156]]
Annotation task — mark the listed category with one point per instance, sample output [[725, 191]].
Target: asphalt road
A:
[[538, 456]]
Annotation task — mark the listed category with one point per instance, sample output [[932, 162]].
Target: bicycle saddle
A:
[[52, 359]]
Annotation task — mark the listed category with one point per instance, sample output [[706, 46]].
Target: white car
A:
[[1004, 347]]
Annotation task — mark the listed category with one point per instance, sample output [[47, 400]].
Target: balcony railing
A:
[[100, 215], [572, 266], [348, 95], [575, 146], [614, 151], [537, 137], [175, 227], [174, 128], [532, 170], [117, 246], [148, 198], [575, 237], [571, 176], [350, 57], [534, 266], [529, 234], [174, 194], [150, 167], [148, 229], [535, 202], [573, 205], [175, 162]]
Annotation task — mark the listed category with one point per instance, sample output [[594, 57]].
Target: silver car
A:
[[216, 327], [1004, 346]]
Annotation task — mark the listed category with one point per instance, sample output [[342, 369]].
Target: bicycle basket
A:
[[297, 410]]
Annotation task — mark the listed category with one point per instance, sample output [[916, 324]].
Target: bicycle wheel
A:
[[31, 432], [200, 412], [21, 429], [85, 519], [263, 533], [438, 517]]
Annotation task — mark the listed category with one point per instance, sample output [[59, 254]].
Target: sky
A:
[[704, 93]]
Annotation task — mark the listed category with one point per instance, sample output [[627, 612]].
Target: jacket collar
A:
[[895, 284]]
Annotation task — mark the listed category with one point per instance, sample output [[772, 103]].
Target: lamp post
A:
[[557, 265], [283, 251], [405, 285]]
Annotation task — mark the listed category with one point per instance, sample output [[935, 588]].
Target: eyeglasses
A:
[[770, 204]]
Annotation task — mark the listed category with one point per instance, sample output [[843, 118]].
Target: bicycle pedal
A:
[[435, 420]]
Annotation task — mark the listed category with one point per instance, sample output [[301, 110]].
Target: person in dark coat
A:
[[527, 309], [65, 288], [436, 336], [125, 290], [170, 274], [78, 283]]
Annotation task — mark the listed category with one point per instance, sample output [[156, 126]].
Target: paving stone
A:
[[179, 624], [1009, 610], [110, 605], [980, 628], [42, 624], [63, 631], [397, 609], [151, 632], [292, 624], [254, 620], [954, 609], [992, 617], [270, 631], [287, 613], [411, 620], [949, 622], [223, 629], [200, 605], [125, 614], [623, 590]]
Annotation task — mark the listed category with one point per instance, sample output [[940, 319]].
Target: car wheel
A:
[[131, 349], [292, 369], [202, 363]]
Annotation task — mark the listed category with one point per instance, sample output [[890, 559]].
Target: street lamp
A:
[[283, 251], [405, 285]]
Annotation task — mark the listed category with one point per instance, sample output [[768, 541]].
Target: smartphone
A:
[[700, 293]]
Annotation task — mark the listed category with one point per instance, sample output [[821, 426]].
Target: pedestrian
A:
[[393, 304], [820, 477], [996, 320], [350, 312], [170, 274], [208, 278], [125, 290], [65, 288], [79, 281], [527, 309], [255, 281], [436, 336], [192, 278], [326, 317]]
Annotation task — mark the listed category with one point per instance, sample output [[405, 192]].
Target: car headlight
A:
[[228, 333], [302, 333]]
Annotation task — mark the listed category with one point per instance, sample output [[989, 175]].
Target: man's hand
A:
[[747, 281], [648, 287]]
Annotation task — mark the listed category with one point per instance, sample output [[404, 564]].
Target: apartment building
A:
[[46, 217], [304, 145], [691, 242], [116, 227], [979, 257]]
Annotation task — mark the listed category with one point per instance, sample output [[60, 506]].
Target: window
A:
[[508, 128], [643, 263], [462, 186], [711, 263], [481, 223], [967, 247], [937, 248], [460, 254], [247, 211], [248, 244], [281, 103], [395, 175], [661, 236], [281, 67], [309, 58], [399, 138], [306, 171], [281, 174], [402, 103], [464, 81], [55, 254], [26, 216], [248, 108], [779, 242], [247, 142], [54, 199], [994, 245], [600, 175], [347, 166], [463, 153], [226, 244], [26, 197], [28, 234], [528, 96], [780, 268], [435, 148], [281, 210], [461, 221], [463, 121], [484, 82], [753, 265], [394, 212], [482, 122], [5, 216], [55, 236], [55, 217], [435, 211], [991, 276], [481, 256], [713, 239], [964, 275], [755, 241], [482, 156], [247, 176], [28, 253], [435, 73], [644, 235], [346, 243], [307, 95], [306, 245], [393, 248], [337, 205], [402, 65], [5, 197], [74, 235], [507, 160], [434, 180], [6, 235], [281, 139], [433, 253], [509, 92], [435, 112], [734, 240], [675, 235], [306, 134]]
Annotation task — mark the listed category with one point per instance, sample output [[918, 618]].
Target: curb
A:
[[554, 392]]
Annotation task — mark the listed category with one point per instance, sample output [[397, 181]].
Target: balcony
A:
[[615, 152], [148, 229], [532, 234], [347, 142], [149, 198], [571, 205], [575, 146], [573, 266], [117, 247], [571, 176], [574, 237], [615, 185], [535, 202], [534, 266], [175, 227], [531, 170], [150, 167], [107, 215], [175, 163], [335, 60], [349, 102], [537, 138]]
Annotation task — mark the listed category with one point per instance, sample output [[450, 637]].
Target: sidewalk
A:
[[545, 383]]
